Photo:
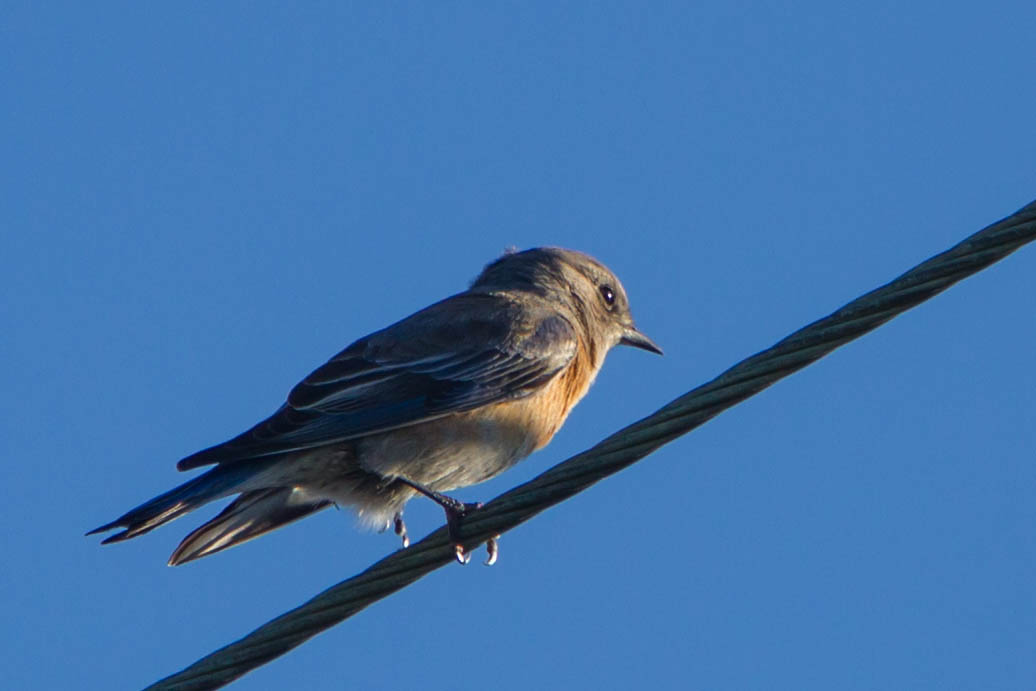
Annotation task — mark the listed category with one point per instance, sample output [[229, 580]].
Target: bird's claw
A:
[[463, 556], [455, 513], [400, 528], [492, 549]]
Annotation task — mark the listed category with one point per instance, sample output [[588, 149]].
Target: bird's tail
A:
[[256, 511], [219, 482], [247, 517]]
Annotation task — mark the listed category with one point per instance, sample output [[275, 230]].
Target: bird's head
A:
[[584, 289]]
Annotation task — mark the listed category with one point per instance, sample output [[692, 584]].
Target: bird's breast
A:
[[466, 448]]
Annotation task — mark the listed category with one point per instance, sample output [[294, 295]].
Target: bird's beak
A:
[[632, 337]]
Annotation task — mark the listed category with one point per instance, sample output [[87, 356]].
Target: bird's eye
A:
[[608, 295]]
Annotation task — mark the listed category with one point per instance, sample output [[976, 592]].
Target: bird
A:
[[448, 397]]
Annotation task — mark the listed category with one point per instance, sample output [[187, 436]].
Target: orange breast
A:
[[462, 449], [543, 413]]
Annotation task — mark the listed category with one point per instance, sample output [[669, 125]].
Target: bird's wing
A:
[[464, 352]]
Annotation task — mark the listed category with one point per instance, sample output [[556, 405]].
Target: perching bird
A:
[[448, 397]]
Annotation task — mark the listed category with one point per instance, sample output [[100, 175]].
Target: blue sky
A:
[[201, 203]]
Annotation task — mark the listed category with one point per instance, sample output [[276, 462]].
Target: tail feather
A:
[[247, 517], [218, 482]]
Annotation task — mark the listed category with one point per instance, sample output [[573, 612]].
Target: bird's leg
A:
[[455, 510], [400, 528]]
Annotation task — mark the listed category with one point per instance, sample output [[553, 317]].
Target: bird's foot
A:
[[455, 513], [453, 519], [455, 510], [492, 549], [400, 527]]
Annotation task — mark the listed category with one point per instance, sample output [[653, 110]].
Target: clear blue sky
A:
[[200, 203]]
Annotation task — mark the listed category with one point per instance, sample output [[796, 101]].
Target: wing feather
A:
[[464, 352]]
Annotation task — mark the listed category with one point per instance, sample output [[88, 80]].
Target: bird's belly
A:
[[458, 450]]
